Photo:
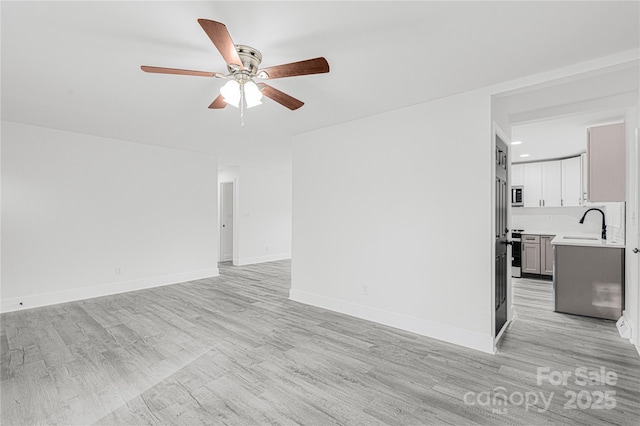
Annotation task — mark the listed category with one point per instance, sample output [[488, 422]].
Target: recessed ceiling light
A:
[[516, 142], [524, 155]]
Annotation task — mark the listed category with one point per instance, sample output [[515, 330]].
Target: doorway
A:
[[226, 221]]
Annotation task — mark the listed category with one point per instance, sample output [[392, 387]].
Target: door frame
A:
[[635, 208], [234, 218], [497, 131]]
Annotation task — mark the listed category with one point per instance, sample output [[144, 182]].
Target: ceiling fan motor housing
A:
[[250, 58]]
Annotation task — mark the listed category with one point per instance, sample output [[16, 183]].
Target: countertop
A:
[[585, 240], [539, 232]]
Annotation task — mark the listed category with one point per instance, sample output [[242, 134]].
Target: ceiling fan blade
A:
[[220, 37], [280, 97], [310, 66], [218, 103], [160, 70]]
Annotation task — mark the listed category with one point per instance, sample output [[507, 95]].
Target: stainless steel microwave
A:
[[517, 196]]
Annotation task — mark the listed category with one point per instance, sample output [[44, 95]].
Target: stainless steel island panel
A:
[[589, 281]]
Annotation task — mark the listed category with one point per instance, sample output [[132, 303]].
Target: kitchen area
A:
[[568, 213]]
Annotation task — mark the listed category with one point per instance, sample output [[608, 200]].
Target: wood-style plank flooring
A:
[[234, 350]]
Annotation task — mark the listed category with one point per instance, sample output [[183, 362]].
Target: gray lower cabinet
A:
[[530, 255], [537, 254], [546, 255], [589, 281]]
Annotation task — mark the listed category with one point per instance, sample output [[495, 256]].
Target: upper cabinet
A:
[[533, 185], [585, 177], [572, 182], [552, 184], [517, 174], [596, 176], [542, 184], [557, 183], [606, 163]]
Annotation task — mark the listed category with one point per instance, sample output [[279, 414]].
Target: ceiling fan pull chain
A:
[[242, 105]]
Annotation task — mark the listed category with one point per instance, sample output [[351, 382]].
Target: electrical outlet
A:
[[365, 290], [266, 248], [118, 270]]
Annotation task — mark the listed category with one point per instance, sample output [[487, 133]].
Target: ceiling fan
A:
[[242, 65]]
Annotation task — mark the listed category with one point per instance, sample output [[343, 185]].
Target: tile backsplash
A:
[[550, 220]]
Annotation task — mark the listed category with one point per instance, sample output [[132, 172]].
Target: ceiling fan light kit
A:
[[242, 64]]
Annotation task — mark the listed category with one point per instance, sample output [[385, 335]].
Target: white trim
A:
[[458, 336], [499, 336], [262, 259], [64, 296], [609, 63]]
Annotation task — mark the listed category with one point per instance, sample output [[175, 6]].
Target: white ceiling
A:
[[76, 65]]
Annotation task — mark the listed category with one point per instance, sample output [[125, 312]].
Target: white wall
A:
[[399, 204], [262, 227], [264, 212], [76, 207]]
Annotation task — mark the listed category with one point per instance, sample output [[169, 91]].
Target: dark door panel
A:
[[502, 266]]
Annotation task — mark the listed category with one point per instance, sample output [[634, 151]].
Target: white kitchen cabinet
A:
[[607, 172], [543, 184], [552, 183], [532, 181], [585, 177], [517, 174], [572, 182]]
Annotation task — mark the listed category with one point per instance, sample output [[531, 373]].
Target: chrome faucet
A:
[[604, 226]]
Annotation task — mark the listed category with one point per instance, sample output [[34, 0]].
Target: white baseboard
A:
[[438, 331], [633, 332], [262, 259], [53, 298]]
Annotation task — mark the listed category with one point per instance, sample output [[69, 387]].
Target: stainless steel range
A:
[[516, 252]]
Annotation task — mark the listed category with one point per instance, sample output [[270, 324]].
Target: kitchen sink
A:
[[581, 238]]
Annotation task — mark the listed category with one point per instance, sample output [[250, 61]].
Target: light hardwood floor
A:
[[234, 350]]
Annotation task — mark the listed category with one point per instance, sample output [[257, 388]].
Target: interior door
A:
[[502, 266], [226, 221]]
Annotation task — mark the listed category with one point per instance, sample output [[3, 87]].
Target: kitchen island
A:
[[588, 276]]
